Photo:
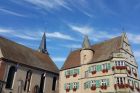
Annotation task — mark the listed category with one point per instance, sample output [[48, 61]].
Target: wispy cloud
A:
[[11, 12], [72, 46], [49, 4], [81, 29], [59, 59], [59, 36], [36, 35], [134, 38]]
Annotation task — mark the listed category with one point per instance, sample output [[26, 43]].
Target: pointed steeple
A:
[[42, 47], [86, 43]]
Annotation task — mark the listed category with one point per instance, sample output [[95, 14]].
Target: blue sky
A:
[[66, 21]]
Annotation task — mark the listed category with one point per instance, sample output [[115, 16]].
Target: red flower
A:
[[67, 76], [93, 88], [113, 68], [74, 75], [105, 70], [67, 90], [93, 72], [74, 89]]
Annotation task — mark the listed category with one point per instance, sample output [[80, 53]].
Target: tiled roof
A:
[[27, 56], [102, 51]]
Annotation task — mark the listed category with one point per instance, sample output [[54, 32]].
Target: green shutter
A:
[[108, 66], [65, 73], [97, 83], [77, 85], [64, 86], [99, 68], [71, 86], [89, 69], [78, 71], [71, 72], [89, 84], [107, 81]]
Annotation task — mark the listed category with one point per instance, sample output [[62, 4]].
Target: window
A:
[[103, 82], [120, 63], [10, 77], [93, 83], [93, 68], [86, 74], [28, 81], [54, 83], [74, 85], [136, 84], [68, 86], [120, 80], [42, 82], [104, 66]]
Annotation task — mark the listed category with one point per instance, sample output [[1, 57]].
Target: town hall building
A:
[[106, 67], [24, 70]]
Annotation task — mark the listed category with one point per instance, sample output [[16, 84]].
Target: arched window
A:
[[28, 81], [10, 77], [42, 82], [54, 83]]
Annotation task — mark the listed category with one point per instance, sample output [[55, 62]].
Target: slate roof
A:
[[102, 51], [27, 56]]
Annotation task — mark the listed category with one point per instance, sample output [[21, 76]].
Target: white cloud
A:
[[49, 4], [12, 13], [59, 59], [82, 29], [59, 36], [3, 30], [72, 46], [134, 38]]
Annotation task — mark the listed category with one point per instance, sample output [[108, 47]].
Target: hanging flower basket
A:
[[104, 87], [93, 72], [115, 86], [105, 70]]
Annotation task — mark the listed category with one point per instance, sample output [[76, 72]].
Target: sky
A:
[[65, 23]]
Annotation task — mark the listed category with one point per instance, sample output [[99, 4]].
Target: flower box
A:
[[104, 87], [121, 86], [93, 88], [74, 89], [93, 72], [67, 76], [105, 70], [67, 90], [121, 67], [126, 85], [74, 75]]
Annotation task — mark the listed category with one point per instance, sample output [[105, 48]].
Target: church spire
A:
[[86, 43], [42, 47]]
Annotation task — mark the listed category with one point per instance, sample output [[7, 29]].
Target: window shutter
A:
[[89, 68], [97, 83], [64, 86], [88, 84], [78, 71], [97, 68], [77, 85], [71, 86], [71, 72], [65, 73], [108, 66], [107, 81]]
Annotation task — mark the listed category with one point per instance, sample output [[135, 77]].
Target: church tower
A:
[[86, 54], [42, 47]]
